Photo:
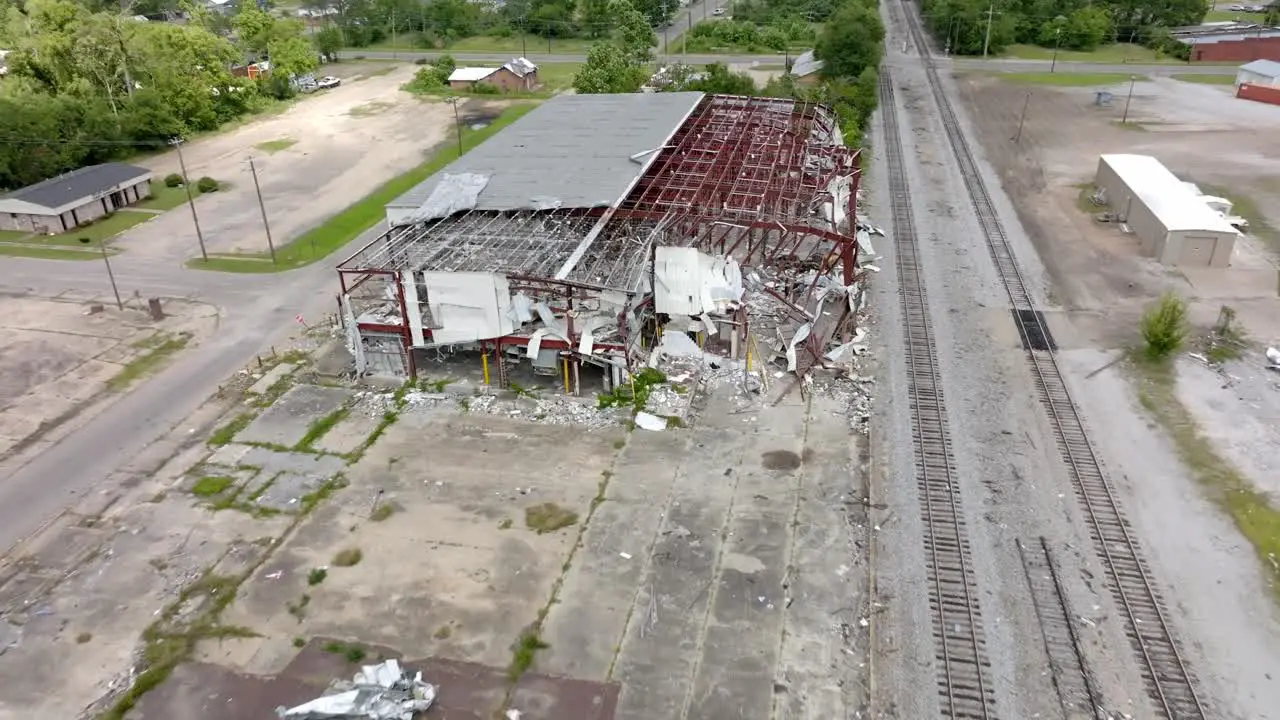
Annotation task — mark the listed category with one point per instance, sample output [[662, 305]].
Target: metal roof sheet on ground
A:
[[76, 185], [806, 64], [1265, 68], [471, 74], [1177, 208], [575, 148]]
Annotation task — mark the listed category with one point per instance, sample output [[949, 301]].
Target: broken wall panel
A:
[[468, 306]]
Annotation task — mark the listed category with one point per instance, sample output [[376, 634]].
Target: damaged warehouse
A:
[[573, 238]]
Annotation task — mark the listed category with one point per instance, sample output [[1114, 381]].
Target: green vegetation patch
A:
[[548, 517], [1201, 79], [1107, 54], [225, 434], [275, 146], [164, 197], [148, 362], [45, 253], [211, 485], [347, 225]]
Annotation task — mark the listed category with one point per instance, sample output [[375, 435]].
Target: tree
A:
[[850, 42], [328, 43], [254, 28], [608, 70], [597, 17], [292, 55], [719, 80], [635, 36]]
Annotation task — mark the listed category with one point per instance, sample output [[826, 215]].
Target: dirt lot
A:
[[56, 359], [712, 571], [346, 142], [1199, 132]]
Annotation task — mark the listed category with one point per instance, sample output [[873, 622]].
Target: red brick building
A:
[[1231, 44]]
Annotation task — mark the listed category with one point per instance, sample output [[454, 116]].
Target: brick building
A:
[[518, 75], [76, 198], [1234, 42]]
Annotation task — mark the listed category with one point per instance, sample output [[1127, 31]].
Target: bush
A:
[[420, 61], [207, 184], [172, 180], [1164, 327]]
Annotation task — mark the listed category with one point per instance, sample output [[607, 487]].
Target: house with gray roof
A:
[[73, 199]]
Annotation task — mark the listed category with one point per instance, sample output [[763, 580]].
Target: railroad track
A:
[[1058, 629], [1169, 683], [953, 599]]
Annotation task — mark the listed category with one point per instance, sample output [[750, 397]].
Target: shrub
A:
[[207, 185], [1164, 327], [172, 180]]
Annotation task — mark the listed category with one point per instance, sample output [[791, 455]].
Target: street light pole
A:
[[1132, 79], [102, 245], [191, 202], [265, 225]]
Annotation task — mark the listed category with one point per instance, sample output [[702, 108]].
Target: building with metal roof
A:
[[573, 233], [73, 199], [1174, 225], [515, 75], [573, 151], [1259, 72]]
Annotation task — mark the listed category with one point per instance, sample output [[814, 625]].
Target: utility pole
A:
[[666, 44], [1023, 118], [265, 225], [524, 36], [395, 54], [1057, 42], [457, 122], [102, 245], [1132, 79], [191, 202], [986, 42]]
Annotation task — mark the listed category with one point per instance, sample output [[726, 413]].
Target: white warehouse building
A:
[[1173, 224]]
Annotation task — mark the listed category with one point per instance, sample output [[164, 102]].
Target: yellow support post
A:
[[566, 375], [484, 362]]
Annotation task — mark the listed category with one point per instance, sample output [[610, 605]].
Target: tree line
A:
[[850, 43], [87, 86], [970, 27]]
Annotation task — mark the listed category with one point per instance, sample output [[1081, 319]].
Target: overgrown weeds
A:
[[522, 656], [635, 393], [548, 517], [211, 485], [321, 426], [348, 557], [1164, 327]]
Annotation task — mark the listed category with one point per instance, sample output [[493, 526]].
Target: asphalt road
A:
[[257, 312], [989, 65]]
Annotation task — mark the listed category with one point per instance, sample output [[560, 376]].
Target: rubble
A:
[[377, 692]]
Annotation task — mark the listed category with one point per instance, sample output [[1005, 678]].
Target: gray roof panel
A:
[[573, 148], [76, 185]]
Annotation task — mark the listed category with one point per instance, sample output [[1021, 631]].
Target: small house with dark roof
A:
[[73, 199]]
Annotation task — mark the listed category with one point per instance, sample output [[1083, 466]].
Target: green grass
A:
[[148, 362], [1253, 515], [321, 426], [211, 485], [532, 43], [165, 198], [1246, 208], [347, 225], [1206, 79], [1117, 53], [12, 235], [274, 146], [1229, 15], [42, 253], [228, 432], [103, 229], [1066, 79], [548, 518], [523, 653]]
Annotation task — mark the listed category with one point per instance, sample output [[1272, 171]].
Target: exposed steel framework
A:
[[763, 180]]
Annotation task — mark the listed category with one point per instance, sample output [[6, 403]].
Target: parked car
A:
[[328, 81], [1235, 8], [718, 11]]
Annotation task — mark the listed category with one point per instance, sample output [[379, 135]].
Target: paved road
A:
[[258, 311], [990, 65]]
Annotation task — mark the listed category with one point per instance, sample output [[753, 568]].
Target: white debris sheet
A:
[[378, 692]]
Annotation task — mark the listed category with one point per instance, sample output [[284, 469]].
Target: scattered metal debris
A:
[[377, 692]]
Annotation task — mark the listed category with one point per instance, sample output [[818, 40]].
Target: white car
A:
[[718, 11], [328, 81], [1235, 8]]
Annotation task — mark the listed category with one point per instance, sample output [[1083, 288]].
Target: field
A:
[[1068, 79], [1117, 53], [349, 141]]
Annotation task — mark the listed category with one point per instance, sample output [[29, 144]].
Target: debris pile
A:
[[377, 692]]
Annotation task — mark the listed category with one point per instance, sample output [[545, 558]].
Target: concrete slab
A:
[[271, 377], [286, 422], [285, 492], [272, 462], [349, 434]]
